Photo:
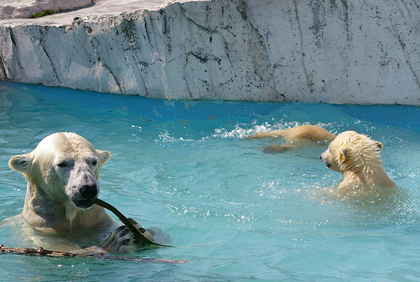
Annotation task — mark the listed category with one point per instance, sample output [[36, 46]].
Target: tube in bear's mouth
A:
[[127, 223]]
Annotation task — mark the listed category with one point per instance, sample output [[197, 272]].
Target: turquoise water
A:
[[234, 213]]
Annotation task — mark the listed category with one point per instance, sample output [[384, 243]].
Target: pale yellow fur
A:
[[295, 137], [357, 158], [62, 173], [47, 204]]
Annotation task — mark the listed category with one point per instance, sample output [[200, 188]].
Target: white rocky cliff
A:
[[336, 51], [26, 8]]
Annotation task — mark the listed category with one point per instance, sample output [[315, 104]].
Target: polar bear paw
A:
[[122, 240]]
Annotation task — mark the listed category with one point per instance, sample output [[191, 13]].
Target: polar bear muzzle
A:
[[86, 193], [82, 186]]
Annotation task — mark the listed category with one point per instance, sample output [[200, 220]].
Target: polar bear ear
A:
[[342, 155], [19, 163], [379, 145], [103, 156]]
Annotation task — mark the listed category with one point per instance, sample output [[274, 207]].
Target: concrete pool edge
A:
[[354, 53]]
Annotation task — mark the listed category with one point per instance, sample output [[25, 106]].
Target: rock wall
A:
[[27, 8], [362, 52]]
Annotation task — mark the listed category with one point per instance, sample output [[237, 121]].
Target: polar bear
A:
[[294, 137], [62, 174], [357, 157]]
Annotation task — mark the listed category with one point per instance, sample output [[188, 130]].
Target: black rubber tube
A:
[[127, 223]]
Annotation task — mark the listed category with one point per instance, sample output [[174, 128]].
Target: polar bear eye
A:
[[65, 163], [95, 162]]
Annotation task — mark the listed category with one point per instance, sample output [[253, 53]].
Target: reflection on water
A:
[[234, 212]]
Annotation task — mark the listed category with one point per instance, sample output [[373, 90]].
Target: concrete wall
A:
[[363, 52], [26, 8]]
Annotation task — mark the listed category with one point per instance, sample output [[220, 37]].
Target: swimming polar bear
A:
[[294, 137], [357, 158], [62, 174]]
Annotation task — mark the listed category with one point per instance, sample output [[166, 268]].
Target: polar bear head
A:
[[62, 173], [351, 151]]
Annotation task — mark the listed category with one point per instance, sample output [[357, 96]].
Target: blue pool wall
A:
[[163, 110]]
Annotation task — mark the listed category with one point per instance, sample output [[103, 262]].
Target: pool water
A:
[[235, 213]]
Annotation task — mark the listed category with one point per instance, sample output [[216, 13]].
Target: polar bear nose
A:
[[89, 191]]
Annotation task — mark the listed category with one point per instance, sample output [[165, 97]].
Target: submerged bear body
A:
[[357, 158], [62, 173]]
